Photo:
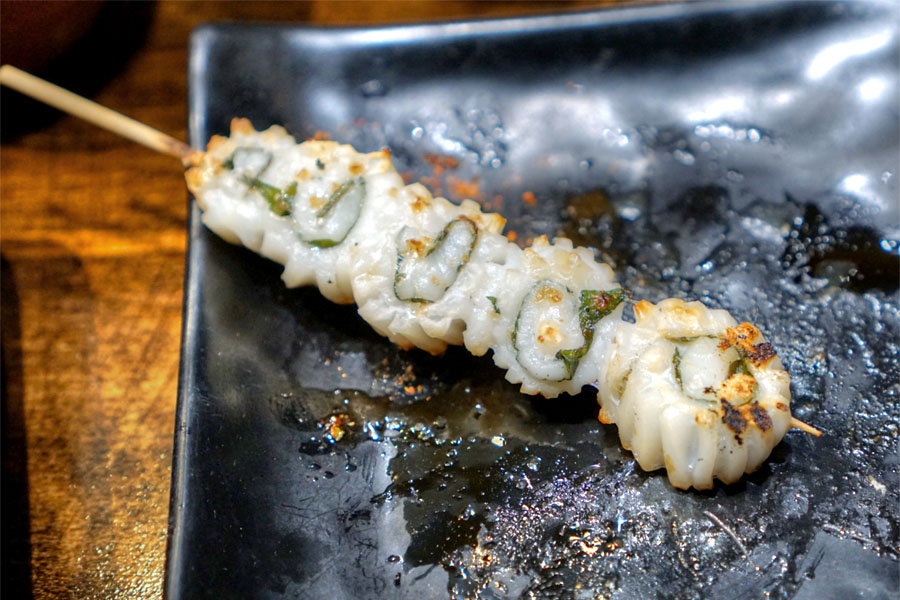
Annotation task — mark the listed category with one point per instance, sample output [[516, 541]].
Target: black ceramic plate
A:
[[741, 154]]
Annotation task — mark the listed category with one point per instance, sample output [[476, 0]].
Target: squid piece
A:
[[695, 392], [551, 333], [300, 205], [417, 286]]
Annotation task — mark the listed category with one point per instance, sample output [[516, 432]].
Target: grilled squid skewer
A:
[[690, 389]]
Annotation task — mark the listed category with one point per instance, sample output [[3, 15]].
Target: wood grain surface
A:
[[93, 239]]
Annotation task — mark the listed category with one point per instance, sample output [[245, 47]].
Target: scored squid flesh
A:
[[693, 391], [690, 389]]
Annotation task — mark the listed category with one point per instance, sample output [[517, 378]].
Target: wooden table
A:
[[93, 252]]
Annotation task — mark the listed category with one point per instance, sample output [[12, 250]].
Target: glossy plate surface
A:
[[742, 154]]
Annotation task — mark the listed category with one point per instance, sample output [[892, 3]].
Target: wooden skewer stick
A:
[[798, 424], [92, 112]]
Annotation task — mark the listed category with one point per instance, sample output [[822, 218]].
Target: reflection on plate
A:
[[744, 155]]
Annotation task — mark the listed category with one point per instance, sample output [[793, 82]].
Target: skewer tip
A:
[[101, 116], [806, 428]]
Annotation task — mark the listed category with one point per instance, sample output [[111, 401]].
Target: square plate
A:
[[742, 154]]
